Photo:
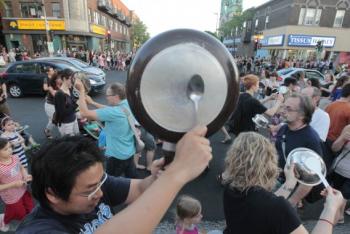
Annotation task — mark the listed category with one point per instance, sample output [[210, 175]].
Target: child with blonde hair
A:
[[188, 215]]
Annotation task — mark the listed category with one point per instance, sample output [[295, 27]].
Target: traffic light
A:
[[109, 36], [256, 44]]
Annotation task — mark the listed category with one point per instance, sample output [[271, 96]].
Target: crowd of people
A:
[[106, 60], [77, 182]]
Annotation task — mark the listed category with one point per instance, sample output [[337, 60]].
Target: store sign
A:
[[310, 41], [273, 40], [37, 24], [98, 29]]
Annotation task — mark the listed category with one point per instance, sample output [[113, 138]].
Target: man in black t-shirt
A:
[[248, 107], [75, 195], [297, 112]]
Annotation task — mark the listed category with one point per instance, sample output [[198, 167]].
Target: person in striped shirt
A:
[[13, 190], [15, 139]]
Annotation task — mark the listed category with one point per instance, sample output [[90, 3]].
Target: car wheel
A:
[[15, 91]]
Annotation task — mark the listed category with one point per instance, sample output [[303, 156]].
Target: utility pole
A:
[[47, 29]]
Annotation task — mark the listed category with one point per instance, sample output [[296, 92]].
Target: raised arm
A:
[[193, 154]]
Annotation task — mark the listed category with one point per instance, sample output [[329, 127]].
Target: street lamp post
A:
[[217, 24], [47, 29]]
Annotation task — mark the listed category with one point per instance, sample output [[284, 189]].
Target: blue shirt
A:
[[119, 135]]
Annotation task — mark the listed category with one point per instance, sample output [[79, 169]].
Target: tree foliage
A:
[[212, 33], [236, 22], [139, 34]]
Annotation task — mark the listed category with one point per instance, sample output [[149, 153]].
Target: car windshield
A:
[[285, 71], [79, 63], [66, 66]]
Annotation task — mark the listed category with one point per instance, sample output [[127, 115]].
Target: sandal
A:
[[47, 133]]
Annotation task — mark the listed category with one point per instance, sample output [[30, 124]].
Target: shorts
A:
[[148, 139], [18, 210], [341, 183]]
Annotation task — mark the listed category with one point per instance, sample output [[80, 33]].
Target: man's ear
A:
[[51, 196]]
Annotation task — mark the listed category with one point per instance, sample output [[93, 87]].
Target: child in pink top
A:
[[188, 215], [13, 189]]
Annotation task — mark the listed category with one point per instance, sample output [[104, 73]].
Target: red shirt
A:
[[339, 113], [9, 173]]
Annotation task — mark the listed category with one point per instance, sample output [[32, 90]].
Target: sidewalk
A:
[[168, 228]]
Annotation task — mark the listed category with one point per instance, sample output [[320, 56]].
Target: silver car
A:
[[309, 73]]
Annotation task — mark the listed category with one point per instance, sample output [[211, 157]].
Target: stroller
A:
[[90, 128]]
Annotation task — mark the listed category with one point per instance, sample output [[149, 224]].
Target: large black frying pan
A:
[[158, 79]]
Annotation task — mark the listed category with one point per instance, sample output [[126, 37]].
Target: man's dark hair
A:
[[346, 90], [65, 74], [305, 106], [290, 80], [315, 82], [57, 165]]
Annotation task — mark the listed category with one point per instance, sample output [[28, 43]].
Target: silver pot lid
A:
[[305, 175], [158, 80]]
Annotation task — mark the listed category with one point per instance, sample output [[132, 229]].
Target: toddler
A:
[[13, 189], [188, 215], [15, 139]]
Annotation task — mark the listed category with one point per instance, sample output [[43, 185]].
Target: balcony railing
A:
[[104, 5]]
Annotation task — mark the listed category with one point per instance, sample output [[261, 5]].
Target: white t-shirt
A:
[[320, 122]]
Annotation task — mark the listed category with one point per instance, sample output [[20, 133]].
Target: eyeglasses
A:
[[90, 195], [289, 109]]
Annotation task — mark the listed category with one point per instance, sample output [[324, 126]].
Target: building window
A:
[[256, 23], [103, 20], [31, 10], [89, 15], [8, 9], [267, 19], [116, 26], [339, 17], [56, 10], [110, 24], [310, 16], [96, 17]]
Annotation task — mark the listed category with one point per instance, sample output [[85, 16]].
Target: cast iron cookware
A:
[[158, 78]]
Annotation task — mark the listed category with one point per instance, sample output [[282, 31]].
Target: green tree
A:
[[212, 33], [139, 34]]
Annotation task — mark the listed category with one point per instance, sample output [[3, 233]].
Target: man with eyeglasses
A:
[[120, 145], [75, 194], [297, 112]]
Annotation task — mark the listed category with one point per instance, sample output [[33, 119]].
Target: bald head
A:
[[312, 92]]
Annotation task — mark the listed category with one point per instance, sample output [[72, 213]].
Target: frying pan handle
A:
[[168, 152]]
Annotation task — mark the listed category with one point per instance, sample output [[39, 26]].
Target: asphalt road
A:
[[30, 110]]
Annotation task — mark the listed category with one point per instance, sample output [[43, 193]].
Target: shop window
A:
[[56, 10], [310, 16], [339, 17], [8, 9], [31, 10]]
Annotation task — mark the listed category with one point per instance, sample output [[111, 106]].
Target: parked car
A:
[[27, 77], [309, 73], [78, 64]]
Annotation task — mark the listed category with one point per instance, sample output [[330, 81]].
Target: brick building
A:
[[292, 28], [80, 24]]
